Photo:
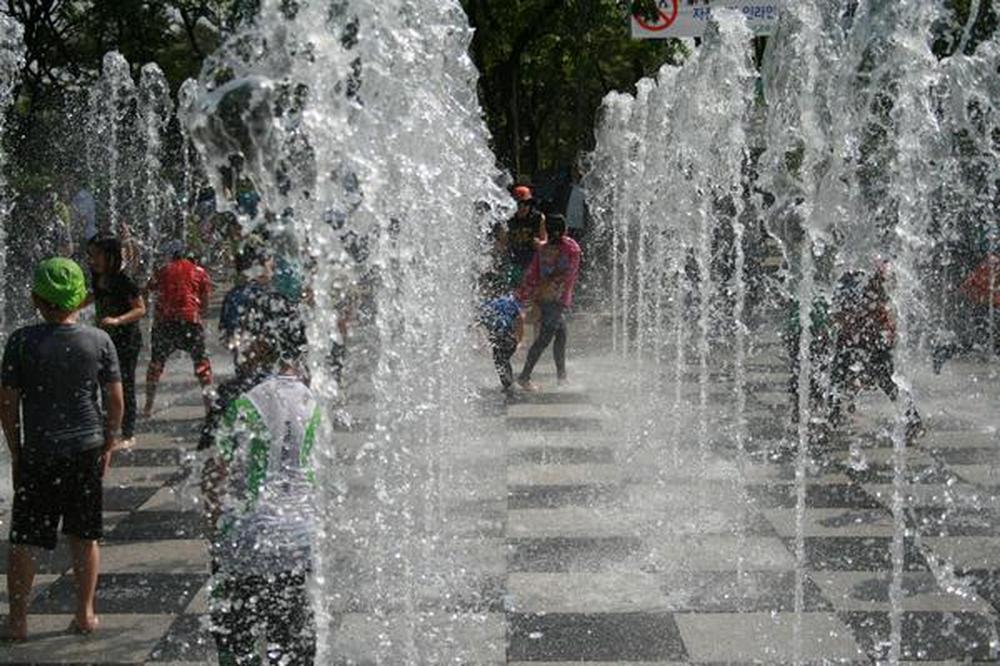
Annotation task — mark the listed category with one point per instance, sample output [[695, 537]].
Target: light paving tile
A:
[[718, 553], [966, 552], [960, 495], [941, 439], [555, 475], [728, 637], [121, 639], [444, 638], [179, 556], [832, 522], [138, 476], [604, 522], [869, 591], [609, 592], [169, 498], [556, 411], [986, 475]]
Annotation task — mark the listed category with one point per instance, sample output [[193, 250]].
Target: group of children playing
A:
[[67, 404], [542, 284]]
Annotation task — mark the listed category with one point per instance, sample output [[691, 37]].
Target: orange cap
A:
[[522, 193]]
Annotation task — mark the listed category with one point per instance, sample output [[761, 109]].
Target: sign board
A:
[[688, 18]]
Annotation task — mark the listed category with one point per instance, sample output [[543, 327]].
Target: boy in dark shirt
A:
[[60, 441]]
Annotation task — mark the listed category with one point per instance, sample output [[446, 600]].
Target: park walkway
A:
[[579, 539]]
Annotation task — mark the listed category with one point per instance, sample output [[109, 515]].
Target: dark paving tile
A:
[[985, 582], [857, 554], [165, 457], [467, 594], [159, 525], [126, 498], [542, 398], [933, 521], [48, 561], [552, 424], [551, 497], [143, 594], [598, 637], [987, 455], [876, 589], [569, 553], [729, 592], [562, 455], [187, 640], [818, 496], [884, 473], [926, 635]]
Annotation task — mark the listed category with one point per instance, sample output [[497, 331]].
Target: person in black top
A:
[[119, 306], [524, 233]]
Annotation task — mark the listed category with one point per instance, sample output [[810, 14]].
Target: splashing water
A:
[[852, 106], [363, 123]]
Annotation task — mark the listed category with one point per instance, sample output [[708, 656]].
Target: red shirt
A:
[[182, 287]]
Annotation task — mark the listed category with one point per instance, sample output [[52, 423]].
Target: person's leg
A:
[[161, 345], [128, 359], [291, 627], [194, 335], [503, 349], [233, 620], [83, 524], [86, 565], [34, 521], [541, 342], [559, 349], [20, 576]]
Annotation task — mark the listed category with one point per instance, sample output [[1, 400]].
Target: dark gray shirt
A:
[[59, 370]]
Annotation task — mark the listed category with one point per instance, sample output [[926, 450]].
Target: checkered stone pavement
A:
[[570, 536]]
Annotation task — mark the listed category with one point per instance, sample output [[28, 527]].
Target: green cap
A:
[[60, 282]]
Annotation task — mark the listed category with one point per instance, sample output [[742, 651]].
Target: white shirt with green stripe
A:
[[266, 443]]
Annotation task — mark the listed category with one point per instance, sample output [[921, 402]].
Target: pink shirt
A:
[[552, 273]]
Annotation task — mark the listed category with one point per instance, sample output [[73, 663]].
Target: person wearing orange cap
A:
[[525, 232]]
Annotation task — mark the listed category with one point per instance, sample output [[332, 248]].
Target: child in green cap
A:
[[60, 437]]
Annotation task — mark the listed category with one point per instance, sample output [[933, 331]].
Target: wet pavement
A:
[[572, 536]]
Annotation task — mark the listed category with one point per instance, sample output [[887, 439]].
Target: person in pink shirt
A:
[[549, 282]]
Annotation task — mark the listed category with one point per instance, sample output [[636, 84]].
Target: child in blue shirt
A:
[[503, 319]]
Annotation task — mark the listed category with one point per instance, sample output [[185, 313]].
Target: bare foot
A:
[[528, 385], [147, 411], [14, 632], [84, 626]]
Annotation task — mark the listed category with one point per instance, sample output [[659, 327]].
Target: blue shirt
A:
[[499, 314]]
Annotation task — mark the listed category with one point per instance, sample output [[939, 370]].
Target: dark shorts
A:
[[50, 487], [274, 609], [171, 336]]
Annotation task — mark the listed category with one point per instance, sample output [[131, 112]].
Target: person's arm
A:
[[205, 292], [571, 275], [519, 327], [542, 235], [10, 417], [529, 283], [137, 312], [115, 408]]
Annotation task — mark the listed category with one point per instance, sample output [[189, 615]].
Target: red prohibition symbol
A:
[[666, 18]]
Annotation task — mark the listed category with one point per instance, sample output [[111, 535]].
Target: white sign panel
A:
[[688, 18]]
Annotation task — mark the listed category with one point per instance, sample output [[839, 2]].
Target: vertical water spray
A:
[[11, 61], [186, 96], [386, 118], [115, 102], [155, 109]]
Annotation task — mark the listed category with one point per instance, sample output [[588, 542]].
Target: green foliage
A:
[[545, 65]]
